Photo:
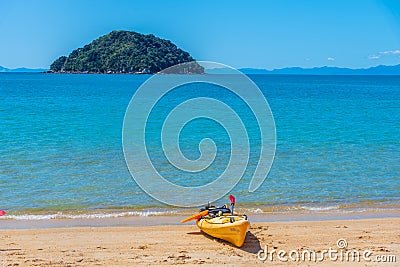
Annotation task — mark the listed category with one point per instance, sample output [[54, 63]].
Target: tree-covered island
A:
[[125, 52]]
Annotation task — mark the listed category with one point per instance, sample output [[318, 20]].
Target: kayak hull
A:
[[223, 228]]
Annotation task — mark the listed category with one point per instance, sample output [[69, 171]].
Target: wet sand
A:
[[185, 244]]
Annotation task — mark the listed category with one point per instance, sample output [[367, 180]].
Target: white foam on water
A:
[[320, 208], [86, 216], [258, 210]]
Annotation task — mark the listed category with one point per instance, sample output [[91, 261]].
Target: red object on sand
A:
[[232, 199], [2, 212]]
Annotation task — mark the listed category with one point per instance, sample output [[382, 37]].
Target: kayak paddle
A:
[[195, 216], [233, 200]]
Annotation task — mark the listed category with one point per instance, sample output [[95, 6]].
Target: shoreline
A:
[[185, 244], [97, 220]]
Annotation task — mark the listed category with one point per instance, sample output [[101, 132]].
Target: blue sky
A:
[[260, 34]]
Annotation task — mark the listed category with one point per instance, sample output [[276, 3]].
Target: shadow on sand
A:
[[195, 233]]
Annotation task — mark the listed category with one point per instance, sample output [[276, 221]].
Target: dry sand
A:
[[184, 244]]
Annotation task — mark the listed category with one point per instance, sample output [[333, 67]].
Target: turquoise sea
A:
[[61, 152]]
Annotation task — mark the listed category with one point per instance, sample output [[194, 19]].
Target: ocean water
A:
[[61, 144]]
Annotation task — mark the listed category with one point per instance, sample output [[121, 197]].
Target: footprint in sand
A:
[[140, 247]]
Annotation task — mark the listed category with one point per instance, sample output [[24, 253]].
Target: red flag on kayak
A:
[[232, 199], [2, 212]]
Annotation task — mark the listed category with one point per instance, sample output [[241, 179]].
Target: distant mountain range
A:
[[2, 69], [378, 70]]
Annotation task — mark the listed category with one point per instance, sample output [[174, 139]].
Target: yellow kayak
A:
[[222, 228]]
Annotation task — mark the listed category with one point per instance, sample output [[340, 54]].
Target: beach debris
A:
[[2, 212]]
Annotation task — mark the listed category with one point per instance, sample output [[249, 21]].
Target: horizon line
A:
[[255, 68]]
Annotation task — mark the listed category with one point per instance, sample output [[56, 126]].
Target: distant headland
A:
[[125, 52], [378, 70]]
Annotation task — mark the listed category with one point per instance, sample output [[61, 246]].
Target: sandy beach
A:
[[185, 244]]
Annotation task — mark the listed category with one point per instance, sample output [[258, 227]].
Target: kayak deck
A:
[[221, 227]]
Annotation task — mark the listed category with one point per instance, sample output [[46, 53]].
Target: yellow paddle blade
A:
[[195, 216]]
